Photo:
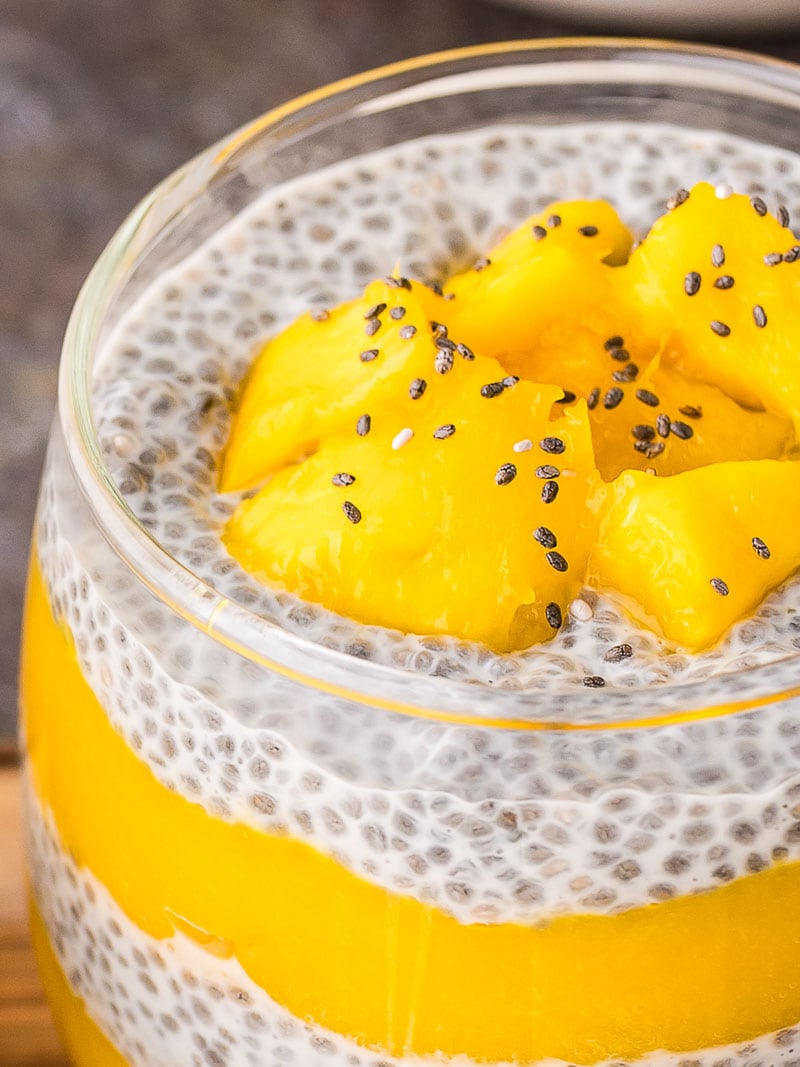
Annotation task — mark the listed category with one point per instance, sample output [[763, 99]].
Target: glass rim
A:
[[294, 656]]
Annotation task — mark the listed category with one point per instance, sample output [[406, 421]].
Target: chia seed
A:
[[556, 561], [691, 283], [760, 548], [352, 512], [545, 537], [681, 430], [554, 445], [505, 474]]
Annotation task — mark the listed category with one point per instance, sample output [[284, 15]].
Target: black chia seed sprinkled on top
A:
[[678, 198], [792, 255], [372, 327], [364, 425], [374, 311], [760, 548], [438, 328], [783, 216], [554, 221], [400, 283], [553, 615], [719, 586], [549, 492], [721, 329], [547, 470], [772, 259], [417, 388], [691, 411], [436, 288], [662, 425], [554, 445], [588, 231], [594, 681], [443, 361], [368, 355], [505, 474], [592, 399], [567, 398], [545, 537], [492, 389], [407, 332], [343, 478], [556, 561], [681, 430], [538, 232], [627, 374], [691, 283], [397, 312], [512, 379], [650, 449], [725, 281], [613, 342], [647, 397], [613, 398], [444, 431], [465, 352], [320, 315], [717, 255], [481, 263], [351, 511], [759, 316], [758, 205], [618, 653], [642, 432], [621, 355]]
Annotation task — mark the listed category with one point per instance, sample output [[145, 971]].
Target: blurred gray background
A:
[[99, 99]]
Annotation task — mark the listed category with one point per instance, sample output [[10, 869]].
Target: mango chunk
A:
[[313, 378], [716, 283], [691, 554], [466, 511], [556, 269], [670, 423]]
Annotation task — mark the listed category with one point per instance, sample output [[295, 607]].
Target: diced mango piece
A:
[[670, 423], [716, 291], [314, 377], [553, 271], [691, 554], [432, 520]]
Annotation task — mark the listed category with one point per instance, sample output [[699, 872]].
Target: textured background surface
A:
[[99, 99]]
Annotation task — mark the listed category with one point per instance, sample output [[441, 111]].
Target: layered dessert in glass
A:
[[410, 668]]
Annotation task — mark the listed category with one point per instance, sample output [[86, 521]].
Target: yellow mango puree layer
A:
[[386, 970], [83, 1039]]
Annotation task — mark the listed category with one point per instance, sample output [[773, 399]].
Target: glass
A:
[[247, 848]]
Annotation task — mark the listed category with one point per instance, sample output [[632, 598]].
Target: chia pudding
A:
[[556, 817]]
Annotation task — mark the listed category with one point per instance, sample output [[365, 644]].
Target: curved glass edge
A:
[[289, 654]]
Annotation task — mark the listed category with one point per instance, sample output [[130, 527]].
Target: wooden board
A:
[[27, 1035]]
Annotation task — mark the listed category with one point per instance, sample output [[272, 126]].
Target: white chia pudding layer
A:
[[161, 1001], [489, 824]]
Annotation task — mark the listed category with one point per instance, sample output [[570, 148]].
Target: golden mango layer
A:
[[387, 970]]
